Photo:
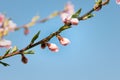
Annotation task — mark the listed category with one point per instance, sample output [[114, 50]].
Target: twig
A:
[[48, 37]]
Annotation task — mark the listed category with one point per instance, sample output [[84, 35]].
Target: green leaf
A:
[[7, 52], [29, 52], [35, 37], [99, 2], [77, 13], [88, 16], [64, 27], [4, 64], [91, 15], [14, 49]]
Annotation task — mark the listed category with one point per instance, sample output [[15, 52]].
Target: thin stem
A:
[[48, 37]]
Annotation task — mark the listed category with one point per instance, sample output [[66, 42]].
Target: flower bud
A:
[[97, 7], [63, 41], [26, 31], [53, 47], [74, 21], [24, 59], [43, 46]]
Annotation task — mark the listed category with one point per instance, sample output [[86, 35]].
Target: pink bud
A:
[[64, 41], [118, 1], [74, 21], [26, 31], [53, 47]]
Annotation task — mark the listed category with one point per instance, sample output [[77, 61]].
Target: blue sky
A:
[[94, 51]]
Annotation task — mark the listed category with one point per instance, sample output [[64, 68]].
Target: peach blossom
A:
[[118, 1], [64, 41], [53, 47], [1, 19], [67, 13], [74, 21], [11, 25]]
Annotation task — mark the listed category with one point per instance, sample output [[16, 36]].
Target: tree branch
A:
[[50, 36]]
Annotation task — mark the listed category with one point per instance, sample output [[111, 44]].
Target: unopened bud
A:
[[24, 59], [43, 46], [74, 21], [26, 31]]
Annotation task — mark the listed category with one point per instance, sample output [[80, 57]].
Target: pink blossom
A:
[[5, 43], [63, 41], [11, 25], [53, 47], [69, 8], [1, 19], [68, 11], [65, 17], [74, 21], [118, 1]]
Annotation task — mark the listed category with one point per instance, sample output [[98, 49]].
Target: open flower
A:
[[118, 1], [68, 11], [63, 41], [53, 47], [5, 43], [2, 17], [11, 25], [67, 14]]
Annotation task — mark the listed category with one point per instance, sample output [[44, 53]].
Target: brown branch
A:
[[48, 37]]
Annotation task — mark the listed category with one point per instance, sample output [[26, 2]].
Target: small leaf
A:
[[64, 27], [35, 37], [7, 52], [30, 24], [14, 49], [54, 14], [77, 13], [29, 52], [4, 64], [88, 16], [35, 18], [99, 2]]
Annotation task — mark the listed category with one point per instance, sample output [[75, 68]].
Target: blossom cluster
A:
[[6, 26], [68, 16], [53, 47]]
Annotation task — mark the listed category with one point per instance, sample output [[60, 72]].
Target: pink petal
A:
[[64, 41], [53, 47], [74, 21], [118, 1]]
